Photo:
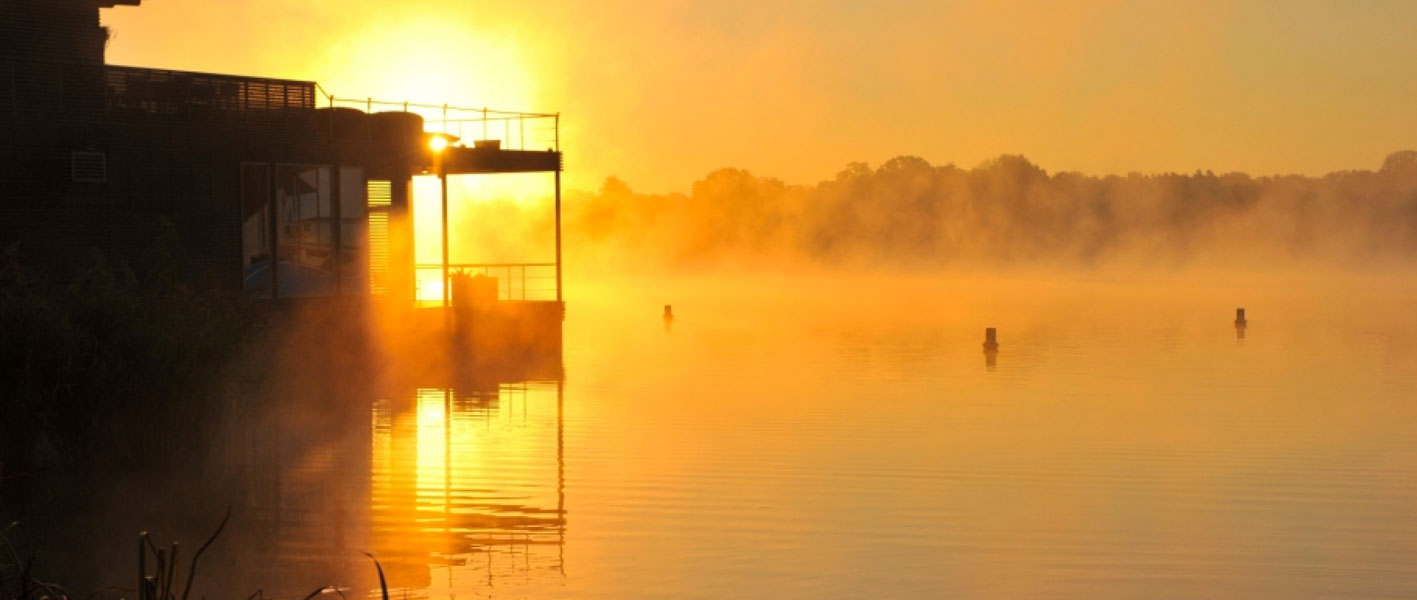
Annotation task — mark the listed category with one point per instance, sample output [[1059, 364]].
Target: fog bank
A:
[[909, 213]]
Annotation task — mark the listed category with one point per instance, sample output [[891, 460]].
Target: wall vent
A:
[[88, 167]]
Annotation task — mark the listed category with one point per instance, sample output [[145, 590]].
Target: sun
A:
[[429, 61], [432, 61]]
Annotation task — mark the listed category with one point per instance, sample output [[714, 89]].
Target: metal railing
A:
[[92, 89], [84, 89], [510, 130], [515, 281]]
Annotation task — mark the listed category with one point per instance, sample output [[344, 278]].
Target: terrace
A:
[[500, 142], [110, 91]]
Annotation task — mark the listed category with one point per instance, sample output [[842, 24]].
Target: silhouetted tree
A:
[[909, 212]]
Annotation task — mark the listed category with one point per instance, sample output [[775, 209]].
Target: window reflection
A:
[[304, 231], [290, 211]]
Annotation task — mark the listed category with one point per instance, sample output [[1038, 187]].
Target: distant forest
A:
[[911, 213]]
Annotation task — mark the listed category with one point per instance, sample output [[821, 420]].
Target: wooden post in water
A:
[[991, 348], [1240, 323]]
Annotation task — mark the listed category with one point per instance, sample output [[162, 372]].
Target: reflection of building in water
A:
[[467, 485], [461, 482], [298, 472]]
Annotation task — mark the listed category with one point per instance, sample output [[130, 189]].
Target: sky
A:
[[660, 92]]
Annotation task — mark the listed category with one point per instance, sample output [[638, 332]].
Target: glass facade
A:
[[314, 225]]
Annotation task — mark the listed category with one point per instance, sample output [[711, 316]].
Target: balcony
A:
[[88, 90]]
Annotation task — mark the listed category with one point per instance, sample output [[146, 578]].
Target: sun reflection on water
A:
[[467, 486]]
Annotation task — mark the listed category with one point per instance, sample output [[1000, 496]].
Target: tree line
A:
[[909, 212]]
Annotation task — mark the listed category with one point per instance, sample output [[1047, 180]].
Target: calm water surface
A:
[[846, 437]]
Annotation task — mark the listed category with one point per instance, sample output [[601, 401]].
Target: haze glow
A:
[[659, 94]]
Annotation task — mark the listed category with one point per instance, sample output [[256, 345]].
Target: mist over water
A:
[[819, 419], [1124, 442], [835, 433], [1008, 211], [1071, 374]]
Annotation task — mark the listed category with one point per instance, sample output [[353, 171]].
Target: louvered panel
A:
[[380, 194], [378, 252]]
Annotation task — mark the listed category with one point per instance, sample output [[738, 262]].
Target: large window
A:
[[314, 225], [304, 232]]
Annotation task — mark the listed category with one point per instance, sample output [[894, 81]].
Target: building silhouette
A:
[[270, 187]]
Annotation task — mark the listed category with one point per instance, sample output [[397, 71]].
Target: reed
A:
[[158, 573], [17, 578]]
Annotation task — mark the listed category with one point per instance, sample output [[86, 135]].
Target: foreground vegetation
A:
[[108, 360], [160, 574]]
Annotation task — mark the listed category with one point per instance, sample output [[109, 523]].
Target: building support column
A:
[[447, 285], [558, 233], [402, 278], [273, 245]]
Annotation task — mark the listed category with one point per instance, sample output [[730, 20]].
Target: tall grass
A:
[[102, 360], [159, 574]]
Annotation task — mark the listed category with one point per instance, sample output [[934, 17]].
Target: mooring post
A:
[[668, 311], [1240, 317], [991, 340]]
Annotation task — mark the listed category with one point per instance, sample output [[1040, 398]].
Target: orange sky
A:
[[660, 93]]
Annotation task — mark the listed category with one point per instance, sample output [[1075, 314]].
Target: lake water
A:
[[834, 435]]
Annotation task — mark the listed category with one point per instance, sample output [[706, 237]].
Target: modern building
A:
[[271, 187]]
